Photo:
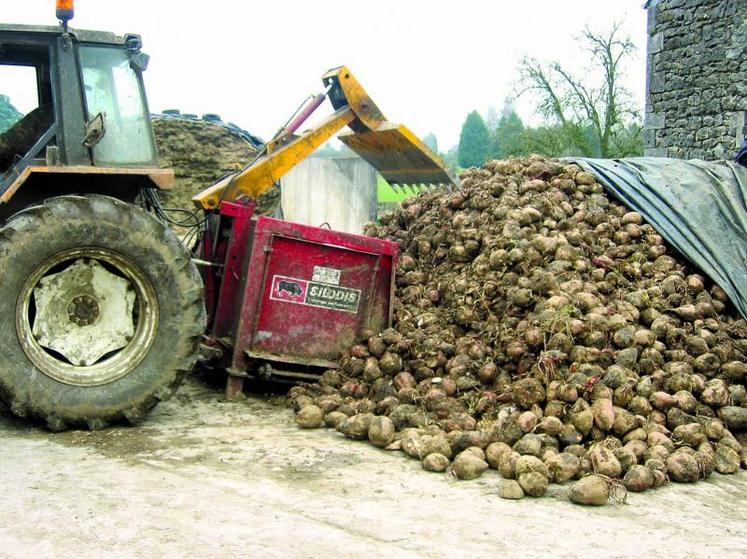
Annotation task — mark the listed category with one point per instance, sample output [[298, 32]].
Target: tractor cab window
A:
[[18, 94], [114, 89], [25, 110]]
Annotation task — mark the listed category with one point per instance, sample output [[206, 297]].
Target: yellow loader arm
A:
[[393, 150]]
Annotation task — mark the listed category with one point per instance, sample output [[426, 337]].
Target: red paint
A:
[[205, 252], [281, 312], [240, 214]]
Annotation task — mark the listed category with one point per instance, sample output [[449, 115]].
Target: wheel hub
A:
[[84, 312]]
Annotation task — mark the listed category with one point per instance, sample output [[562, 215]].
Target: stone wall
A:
[[696, 91]]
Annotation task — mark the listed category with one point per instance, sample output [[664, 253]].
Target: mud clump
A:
[[543, 322], [200, 152]]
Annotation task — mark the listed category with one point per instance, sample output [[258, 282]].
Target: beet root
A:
[[638, 478], [510, 489], [590, 490], [467, 466], [310, 417]]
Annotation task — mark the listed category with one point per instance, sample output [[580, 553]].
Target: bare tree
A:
[[598, 117]]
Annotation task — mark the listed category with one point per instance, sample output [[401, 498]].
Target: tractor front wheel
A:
[[101, 315]]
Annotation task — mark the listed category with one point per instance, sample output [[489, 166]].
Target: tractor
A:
[[105, 309]]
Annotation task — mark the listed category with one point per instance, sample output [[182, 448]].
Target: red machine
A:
[[291, 297], [285, 299]]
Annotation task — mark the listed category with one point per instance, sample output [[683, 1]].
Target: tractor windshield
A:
[[113, 88]]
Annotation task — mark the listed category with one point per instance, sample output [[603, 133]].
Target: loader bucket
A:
[[400, 157]]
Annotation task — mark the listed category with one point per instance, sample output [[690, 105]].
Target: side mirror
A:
[[138, 60], [95, 130]]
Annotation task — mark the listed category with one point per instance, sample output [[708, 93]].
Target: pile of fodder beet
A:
[[544, 330], [200, 152]]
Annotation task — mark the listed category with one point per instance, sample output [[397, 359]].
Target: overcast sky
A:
[[426, 63]]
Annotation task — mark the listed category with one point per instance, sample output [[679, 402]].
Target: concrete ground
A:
[[202, 477]]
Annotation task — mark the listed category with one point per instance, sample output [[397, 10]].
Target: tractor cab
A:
[[72, 100]]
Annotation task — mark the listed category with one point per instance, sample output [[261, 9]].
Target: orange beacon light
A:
[[64, 11]]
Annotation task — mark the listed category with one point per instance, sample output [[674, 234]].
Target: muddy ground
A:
[[206, 477]]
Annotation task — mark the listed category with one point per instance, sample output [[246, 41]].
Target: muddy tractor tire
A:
[[101, 314]]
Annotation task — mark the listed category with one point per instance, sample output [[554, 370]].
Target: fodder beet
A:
[[539, 321]]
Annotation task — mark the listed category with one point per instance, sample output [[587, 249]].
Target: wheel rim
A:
[[87, 316]]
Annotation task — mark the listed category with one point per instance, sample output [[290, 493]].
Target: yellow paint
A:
[[392, 149], [367, 113], [399, 155], [267, 169], [163, 178]]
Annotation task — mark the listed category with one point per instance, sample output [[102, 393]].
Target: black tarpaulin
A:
[[700, 207]]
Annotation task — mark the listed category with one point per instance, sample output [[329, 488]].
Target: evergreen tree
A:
[[451, 158], [9, 115], [431, 141], [509, 136], [548, 140], [492, 119], [474, 141]]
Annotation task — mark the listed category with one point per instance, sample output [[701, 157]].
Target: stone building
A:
[[696, 87]]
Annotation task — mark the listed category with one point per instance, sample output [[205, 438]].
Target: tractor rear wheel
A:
[[101, 314]]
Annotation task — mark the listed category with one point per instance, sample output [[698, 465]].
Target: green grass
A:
[[386, 194]]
